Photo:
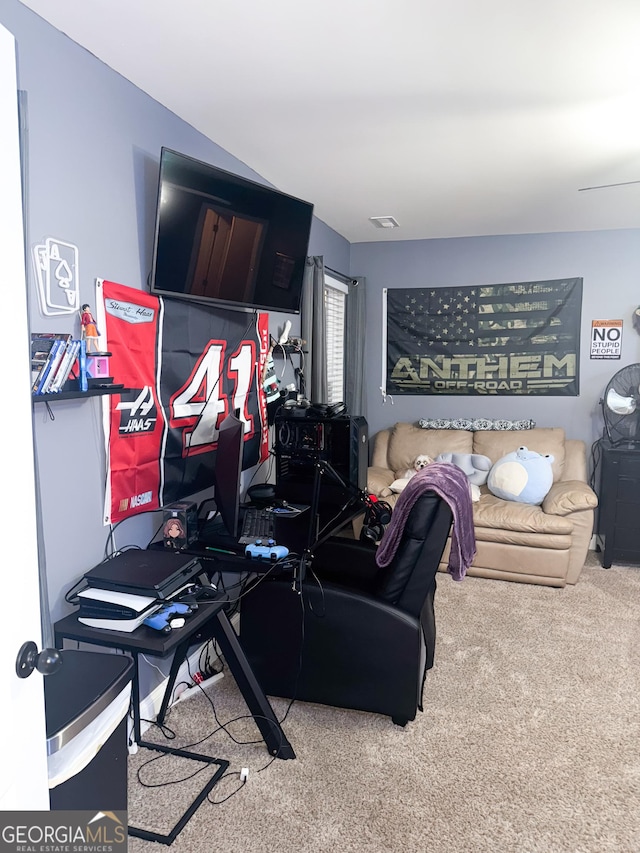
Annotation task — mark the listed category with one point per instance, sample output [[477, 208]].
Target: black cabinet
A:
[[618, 534]]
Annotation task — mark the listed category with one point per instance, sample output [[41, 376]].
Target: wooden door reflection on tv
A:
[[225, 255]]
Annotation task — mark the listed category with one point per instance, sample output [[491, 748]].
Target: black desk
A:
[[220, 553], [209, 621]]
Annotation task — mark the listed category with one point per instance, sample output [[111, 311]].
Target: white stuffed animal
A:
[[421, 461]]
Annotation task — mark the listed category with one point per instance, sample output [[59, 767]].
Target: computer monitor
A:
[[228, 473]]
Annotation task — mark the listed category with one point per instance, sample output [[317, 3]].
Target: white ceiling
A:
[[456, 117]]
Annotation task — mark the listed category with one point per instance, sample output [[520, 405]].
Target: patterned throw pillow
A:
[[474, 424]]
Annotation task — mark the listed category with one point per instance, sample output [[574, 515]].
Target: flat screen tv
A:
[[223, 239]]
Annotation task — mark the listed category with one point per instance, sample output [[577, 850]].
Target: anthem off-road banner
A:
[[490, 339], [184, 367]]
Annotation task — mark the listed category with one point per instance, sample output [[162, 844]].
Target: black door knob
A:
[[29, 658]]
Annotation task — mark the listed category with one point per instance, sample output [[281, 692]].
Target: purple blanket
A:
[[451, 484]]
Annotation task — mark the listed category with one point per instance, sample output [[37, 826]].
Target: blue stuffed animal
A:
[[523, 475]]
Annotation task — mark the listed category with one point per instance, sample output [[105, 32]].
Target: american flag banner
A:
[[504, 339]]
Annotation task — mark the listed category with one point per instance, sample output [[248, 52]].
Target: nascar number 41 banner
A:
[[489, 339], [184, 367]]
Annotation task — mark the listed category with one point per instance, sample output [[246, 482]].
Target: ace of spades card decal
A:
[[57, 277]]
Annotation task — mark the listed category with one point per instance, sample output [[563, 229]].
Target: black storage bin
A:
[[84, 689]]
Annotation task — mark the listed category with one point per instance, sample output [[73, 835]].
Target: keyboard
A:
[[257, 524]]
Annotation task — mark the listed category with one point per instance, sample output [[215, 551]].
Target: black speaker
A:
[[300, 443]]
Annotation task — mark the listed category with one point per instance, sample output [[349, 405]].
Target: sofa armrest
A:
[[379, 479], [569, 496]]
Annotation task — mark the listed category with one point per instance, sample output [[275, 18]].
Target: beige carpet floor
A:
[[529, 742]]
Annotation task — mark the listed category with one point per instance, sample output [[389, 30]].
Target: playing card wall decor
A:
[[56, 266]]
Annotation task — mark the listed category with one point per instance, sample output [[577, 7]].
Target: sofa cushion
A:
[[545, 541], [495, 513], [496, 444], [408, 441], [529, 564]]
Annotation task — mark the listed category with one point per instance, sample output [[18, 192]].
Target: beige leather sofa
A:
[[544, 544]]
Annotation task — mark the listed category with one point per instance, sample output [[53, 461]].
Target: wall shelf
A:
[[76, 395]]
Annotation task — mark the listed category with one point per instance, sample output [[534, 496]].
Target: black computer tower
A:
[[302, 442]]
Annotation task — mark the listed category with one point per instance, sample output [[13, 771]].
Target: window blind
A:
[[335, 308]]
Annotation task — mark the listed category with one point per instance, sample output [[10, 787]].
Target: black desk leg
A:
[[135, 699], [179, 657], [253, 694], [170, 837]]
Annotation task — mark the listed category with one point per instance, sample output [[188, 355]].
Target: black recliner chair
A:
[[357, 636]]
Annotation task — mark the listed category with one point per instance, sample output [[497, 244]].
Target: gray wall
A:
[[92, 150], [92, 154], [608, 262]]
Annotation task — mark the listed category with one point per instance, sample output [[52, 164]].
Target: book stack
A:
[[53, 359]]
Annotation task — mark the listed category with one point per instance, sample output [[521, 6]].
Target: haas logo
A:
[[137, 411]]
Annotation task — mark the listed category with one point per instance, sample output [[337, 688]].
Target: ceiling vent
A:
[[384, 221]]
